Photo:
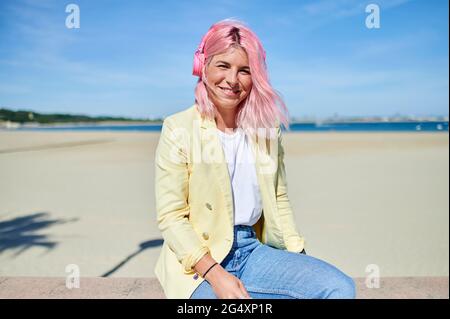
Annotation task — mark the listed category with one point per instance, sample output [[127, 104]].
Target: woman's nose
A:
[[232, 78]]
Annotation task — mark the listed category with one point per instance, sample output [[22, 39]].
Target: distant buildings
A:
[[366, 119]]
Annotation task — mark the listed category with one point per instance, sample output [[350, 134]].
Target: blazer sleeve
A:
[[171, 194], [293, 241]]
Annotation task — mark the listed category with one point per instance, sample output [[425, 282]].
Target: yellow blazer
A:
[[194, 200]]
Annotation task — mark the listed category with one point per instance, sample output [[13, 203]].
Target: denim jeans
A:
[[270, 273]]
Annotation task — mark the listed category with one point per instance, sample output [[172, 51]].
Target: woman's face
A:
[[228, 78]]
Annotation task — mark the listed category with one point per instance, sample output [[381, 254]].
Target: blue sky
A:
[[134, 58]]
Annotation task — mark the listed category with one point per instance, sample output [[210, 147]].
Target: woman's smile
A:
[[229, 92]]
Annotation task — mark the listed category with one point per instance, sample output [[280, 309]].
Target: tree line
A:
[[25, 116]]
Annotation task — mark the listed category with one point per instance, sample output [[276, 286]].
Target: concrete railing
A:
[[149, 288]]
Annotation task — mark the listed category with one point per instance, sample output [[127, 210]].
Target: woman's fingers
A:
[[245, 294]]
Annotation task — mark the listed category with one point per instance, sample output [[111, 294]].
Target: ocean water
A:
[[305, 127]]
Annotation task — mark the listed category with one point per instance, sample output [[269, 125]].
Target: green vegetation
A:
[[25, 116]]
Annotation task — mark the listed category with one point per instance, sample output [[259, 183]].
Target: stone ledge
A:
[[149, 288]]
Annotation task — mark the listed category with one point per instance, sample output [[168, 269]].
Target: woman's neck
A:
[[226, 118]]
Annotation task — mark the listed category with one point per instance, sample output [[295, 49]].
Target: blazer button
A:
[[205, 235], [208, 205]]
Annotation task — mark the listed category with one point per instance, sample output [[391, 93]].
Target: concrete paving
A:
[[149, 288]]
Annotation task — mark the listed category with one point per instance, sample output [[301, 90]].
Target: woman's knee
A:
[[342, 287]]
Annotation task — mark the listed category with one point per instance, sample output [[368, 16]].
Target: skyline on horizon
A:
[[329, 64]]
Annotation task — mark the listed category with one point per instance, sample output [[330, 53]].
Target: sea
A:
[[428, 126]]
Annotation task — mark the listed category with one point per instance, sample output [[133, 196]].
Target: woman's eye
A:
[[222, 66]]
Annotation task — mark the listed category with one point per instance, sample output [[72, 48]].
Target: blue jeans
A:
[[270, 273]]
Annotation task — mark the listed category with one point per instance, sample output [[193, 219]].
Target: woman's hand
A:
[[225, 285]]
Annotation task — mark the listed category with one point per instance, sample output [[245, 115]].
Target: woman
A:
[[221, 193]]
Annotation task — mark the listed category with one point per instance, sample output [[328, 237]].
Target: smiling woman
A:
[[228, 226]]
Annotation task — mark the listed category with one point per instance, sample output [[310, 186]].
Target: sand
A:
[[87, 198]]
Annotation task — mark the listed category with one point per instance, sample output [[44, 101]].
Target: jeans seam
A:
[[276, 292]]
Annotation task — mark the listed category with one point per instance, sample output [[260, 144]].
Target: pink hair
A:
[[263, 107]]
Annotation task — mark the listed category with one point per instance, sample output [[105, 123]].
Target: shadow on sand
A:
[[142, 246], [24, 232]]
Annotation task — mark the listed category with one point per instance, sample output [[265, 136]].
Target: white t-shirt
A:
[[244, 183]]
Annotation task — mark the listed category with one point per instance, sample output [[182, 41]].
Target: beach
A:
[[363, 201]]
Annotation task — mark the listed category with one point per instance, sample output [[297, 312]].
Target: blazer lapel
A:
[[212, 153], [265, 170]]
